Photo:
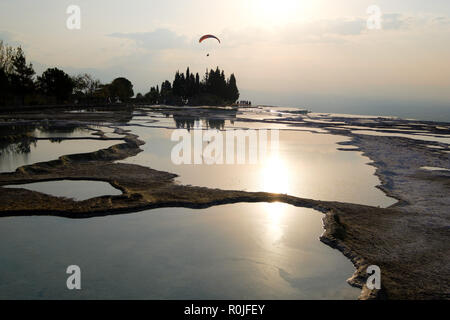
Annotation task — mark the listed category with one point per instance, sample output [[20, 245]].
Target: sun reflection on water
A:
[[275, 179], [275, 176]]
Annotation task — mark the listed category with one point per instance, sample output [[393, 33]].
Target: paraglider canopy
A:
[[208, 36]]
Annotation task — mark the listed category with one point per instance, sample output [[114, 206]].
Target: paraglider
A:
[[208, 36]]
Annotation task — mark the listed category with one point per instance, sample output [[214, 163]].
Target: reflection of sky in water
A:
[[78, 190], [241, 251], [308, 165], [434, 169]]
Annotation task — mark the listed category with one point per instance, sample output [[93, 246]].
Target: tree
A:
[[188, 73], [7, 54], [213, 89], [139, 97], [153, 95], [197, 84], [232, 90], [22, 75], [122, 88], [166, 92], [104, 92], [191, 86], [183, 86], [4, 86], [177, 85], [6, 67], [86, 84], [55, 83]]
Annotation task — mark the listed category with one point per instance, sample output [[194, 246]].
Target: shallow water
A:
[[240, 251], [78, 190], [61, 133], [307, 165], [434, 169]]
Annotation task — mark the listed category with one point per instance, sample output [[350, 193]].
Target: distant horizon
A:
[[417, 112]]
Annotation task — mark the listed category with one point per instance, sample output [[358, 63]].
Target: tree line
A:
[[187, 89], [20, 86]]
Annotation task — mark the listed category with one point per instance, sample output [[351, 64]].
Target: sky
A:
[[316, 54]]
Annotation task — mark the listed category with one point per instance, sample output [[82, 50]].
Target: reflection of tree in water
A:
[[18, 139], [189, 123], [184, 122], [212, 119], [8, 131], [18, 147], [218, 124], [66, 129]]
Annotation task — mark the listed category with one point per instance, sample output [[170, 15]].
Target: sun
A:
[[277, 12]]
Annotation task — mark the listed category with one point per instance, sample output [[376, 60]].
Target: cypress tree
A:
[[232, 90], [214, 88]]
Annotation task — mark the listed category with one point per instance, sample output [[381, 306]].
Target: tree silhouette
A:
[[213, 89], [197, 84], [4, 86], [7, 54], [17, 81], [55, 83], [121, 88], [232, 89], [153, 95], [140, 97], [22, 75], [85, 84]]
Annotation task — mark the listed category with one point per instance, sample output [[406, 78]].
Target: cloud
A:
[[356, 25], [343, 26], [159, 39], [396, 21], [341, 30], [245, 36], [337, 30], [440, 21]]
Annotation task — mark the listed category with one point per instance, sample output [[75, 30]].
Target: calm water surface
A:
[[240, 251], [78, 190], [307, 165], [23, 153]]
